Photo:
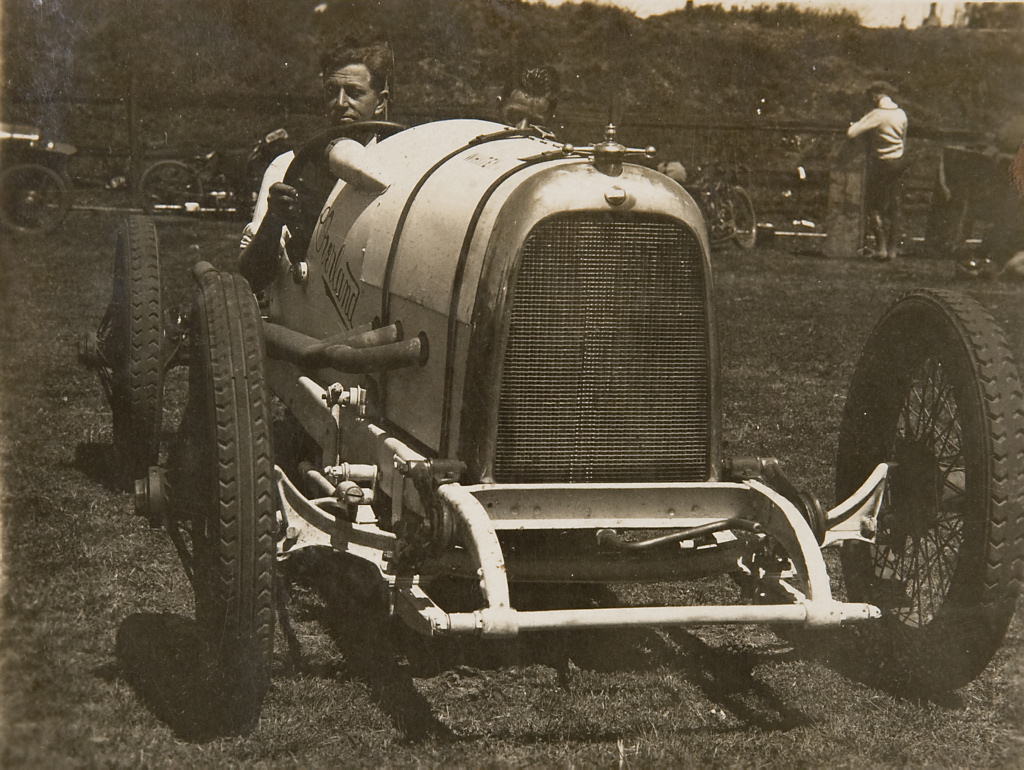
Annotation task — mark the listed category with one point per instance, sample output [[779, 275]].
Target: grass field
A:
[[101, 665]]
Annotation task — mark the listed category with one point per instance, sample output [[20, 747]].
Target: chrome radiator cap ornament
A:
[[609, 153]]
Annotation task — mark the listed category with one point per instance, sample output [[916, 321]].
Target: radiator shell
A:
[[438, 252]]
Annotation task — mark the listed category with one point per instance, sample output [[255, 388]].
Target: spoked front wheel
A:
[[222, 484], [937, 394]]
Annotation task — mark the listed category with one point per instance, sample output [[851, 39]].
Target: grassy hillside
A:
[[259, 58]]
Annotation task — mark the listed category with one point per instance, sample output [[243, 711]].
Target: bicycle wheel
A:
[[33, 199], [222, 482], [936, 392], [169, 183], [744, 221], [717, 209]]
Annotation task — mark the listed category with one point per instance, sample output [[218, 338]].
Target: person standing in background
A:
[[885, 125]]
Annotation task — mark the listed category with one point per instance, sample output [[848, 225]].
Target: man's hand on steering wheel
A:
[[300, 171], [283, 203]]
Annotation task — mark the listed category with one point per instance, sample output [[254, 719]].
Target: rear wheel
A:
[[936, 392], [33, 199], [744, 220], [169, 183], [130, 340], [222, 481]]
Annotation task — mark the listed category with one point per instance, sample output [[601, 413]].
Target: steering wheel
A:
[[309, 175]]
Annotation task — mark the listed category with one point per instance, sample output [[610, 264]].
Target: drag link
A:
[[613, 538]]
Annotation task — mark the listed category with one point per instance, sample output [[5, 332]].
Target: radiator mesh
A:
[[606, 371]]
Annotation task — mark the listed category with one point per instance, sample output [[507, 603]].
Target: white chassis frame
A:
[[332, 416]]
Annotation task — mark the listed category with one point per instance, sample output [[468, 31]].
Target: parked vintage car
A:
[[498, 360], [35, 191]]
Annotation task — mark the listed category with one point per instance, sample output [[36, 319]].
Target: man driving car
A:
[[355, 87]]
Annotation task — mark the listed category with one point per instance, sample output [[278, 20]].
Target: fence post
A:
[[846, 187]]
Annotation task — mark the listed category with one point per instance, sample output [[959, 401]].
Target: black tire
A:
[[937, 392], [34, 199], [169, 183], [131, 340], [744, 219], [222, 482]]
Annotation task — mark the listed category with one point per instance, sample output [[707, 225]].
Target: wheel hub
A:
[[916, 489]]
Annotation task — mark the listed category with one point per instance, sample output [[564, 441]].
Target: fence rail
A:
[[772, 152]]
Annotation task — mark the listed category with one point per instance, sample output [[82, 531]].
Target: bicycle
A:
[[727, 207], [217, 182]]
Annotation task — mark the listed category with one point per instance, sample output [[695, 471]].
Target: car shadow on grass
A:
[[726, 676], [163, 659], [98, 462], [857, 655], [352, 610], [386, 655]]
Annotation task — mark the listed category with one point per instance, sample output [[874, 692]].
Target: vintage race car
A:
[[35, 190], [493, 356]]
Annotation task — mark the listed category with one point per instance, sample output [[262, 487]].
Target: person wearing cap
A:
[[885, 126], [355, 87]]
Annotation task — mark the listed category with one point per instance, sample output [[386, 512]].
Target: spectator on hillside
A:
[[356, 88], [885, 125], [531, 98]]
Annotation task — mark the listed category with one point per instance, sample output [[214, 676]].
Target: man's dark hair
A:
[[377, 57], [536, 81], [880, 87]]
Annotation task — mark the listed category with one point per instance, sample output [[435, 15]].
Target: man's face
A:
[[350, 95], [521, 109]]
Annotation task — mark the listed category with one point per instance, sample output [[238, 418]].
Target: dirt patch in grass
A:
[[100, 660]]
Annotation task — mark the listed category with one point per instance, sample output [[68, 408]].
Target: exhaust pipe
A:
[[310, 353]]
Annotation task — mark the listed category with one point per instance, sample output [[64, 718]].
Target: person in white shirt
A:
[[886, 128], [355, 84]]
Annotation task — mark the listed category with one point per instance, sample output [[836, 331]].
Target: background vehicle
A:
[[217, 182], [498, 363], [35, 191], [726, 205]]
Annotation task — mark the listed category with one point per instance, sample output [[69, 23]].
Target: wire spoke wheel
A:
[[937, 394], [169, 183], [33, 199], [744, 220], [222, 486], [130, 338]]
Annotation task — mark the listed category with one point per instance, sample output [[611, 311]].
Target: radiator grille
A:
[[606, 372]]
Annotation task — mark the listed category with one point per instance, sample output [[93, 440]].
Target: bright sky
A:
[[873, 13]]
